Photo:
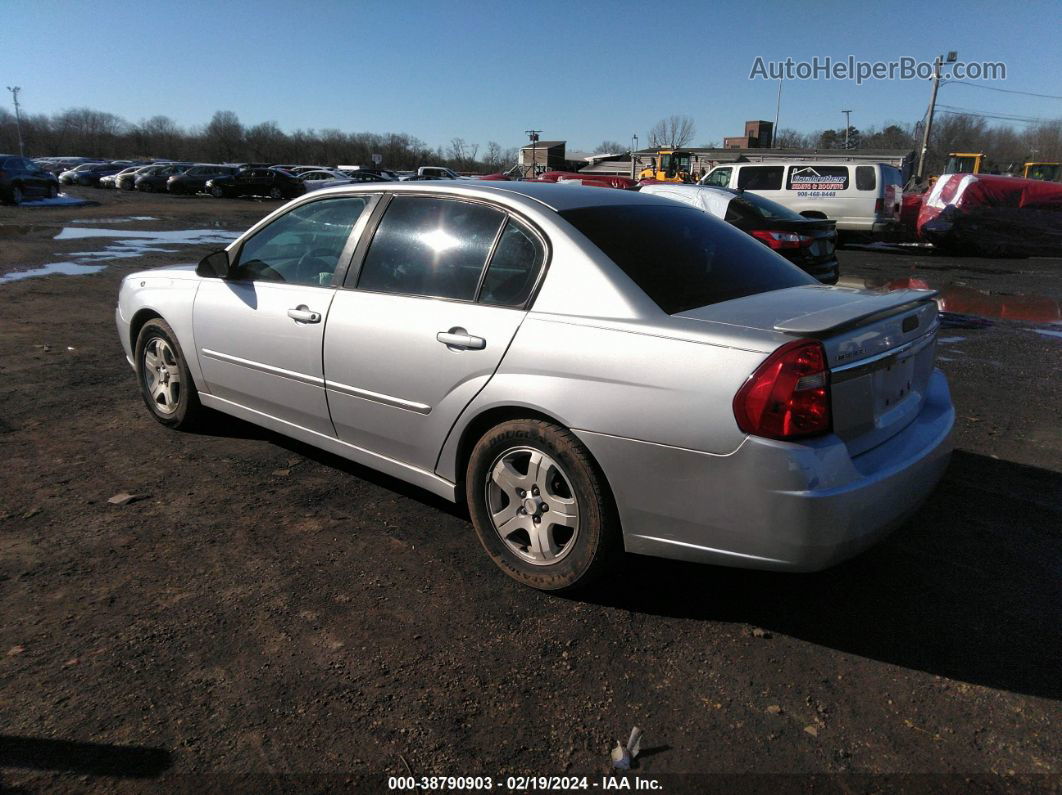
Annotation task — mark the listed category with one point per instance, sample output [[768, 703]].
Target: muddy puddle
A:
[[118, 244]]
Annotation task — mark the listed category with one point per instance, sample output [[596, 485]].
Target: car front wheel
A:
[[540, 506], [275, 193], [165, 383]]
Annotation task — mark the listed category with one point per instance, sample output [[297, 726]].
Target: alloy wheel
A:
[[162, 375], [532, 505]]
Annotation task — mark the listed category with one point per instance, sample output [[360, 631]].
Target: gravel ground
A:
[[266, 616]]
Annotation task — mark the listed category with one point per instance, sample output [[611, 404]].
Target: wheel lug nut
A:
[[521, 492], [538, 519]]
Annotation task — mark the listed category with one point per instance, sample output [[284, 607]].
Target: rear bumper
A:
[[775, 505]]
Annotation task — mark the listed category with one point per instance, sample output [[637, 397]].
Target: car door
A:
[[258, 333], [426, 324]]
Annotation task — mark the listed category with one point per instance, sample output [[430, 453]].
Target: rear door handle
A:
[[459, 339], [303, 314]]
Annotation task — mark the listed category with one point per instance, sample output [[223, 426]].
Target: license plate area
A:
[[893, 382]]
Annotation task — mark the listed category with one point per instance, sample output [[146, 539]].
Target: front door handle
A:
[[303, 314], [457, 339]]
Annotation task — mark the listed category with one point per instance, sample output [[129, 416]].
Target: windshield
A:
[[683, 258]]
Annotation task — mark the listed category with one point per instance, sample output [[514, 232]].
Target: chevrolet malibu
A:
[[590, 371]]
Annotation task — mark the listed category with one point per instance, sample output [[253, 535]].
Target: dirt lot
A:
[[267, 610]]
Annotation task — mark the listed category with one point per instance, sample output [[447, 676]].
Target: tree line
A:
[[91, 133], [1005, 145]]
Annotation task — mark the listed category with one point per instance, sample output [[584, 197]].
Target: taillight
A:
[[879, 206], [789, 394], [779, 240]]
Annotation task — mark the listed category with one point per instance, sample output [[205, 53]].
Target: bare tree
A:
[[607, 147], [672, 132], [225, 136]]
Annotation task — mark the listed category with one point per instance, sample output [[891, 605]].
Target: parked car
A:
[[324, 178], [861, 198], [88, 174], [111, 180], [592, 371], [155, 181], [194, 180], [272, 182], [21, 178], [809, 243], [126, 179], [382, 172]]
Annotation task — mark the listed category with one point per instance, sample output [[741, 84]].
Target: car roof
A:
[[555, 197]]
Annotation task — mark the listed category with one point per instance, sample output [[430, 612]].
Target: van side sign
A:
[[810, 178]]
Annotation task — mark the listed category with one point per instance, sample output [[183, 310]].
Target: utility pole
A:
[[847, 125], [533, 135], [18, 117], [952, 57], [634, 148], [777, 113]]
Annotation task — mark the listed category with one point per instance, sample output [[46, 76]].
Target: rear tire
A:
[[540, 506], [274, 193], [165, 383], [16, 195]]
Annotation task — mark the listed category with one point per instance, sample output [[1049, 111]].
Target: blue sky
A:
[[579, 71]]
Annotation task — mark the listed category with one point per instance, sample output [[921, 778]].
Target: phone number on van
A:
[[816, 194]]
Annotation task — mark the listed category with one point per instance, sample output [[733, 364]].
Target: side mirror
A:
[[214, 265]]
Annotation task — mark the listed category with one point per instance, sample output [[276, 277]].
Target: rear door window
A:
[[683, 258], [866, 179], [819, 178], [514, 267], [430, 247], [760, 178]]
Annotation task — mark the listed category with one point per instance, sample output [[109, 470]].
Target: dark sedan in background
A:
[[272, 182], [21, 178], [808, 243], [194, 180]]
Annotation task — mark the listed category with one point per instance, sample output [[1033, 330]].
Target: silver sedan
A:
[[592, 371]]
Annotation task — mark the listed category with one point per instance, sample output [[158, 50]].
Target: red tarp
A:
[[594, 180], [993, 215]]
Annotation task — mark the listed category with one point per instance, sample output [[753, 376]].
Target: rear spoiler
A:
[[862, 308]]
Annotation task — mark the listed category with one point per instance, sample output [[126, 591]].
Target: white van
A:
[[860, 198]]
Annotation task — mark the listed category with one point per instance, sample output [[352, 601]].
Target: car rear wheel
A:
[[540, 506], [165, 383], [16, 195], [274, 193]]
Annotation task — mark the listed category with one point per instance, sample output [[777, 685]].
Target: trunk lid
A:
[[880, 348]]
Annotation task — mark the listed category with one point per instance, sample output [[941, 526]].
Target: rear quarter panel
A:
[[638, 385]]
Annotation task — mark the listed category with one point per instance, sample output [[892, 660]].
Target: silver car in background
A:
[[593, 371]]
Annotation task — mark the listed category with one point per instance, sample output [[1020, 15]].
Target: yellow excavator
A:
[[978, 163], [1048, 172], [669, 165]]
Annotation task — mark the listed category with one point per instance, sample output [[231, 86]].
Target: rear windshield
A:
[[749, 205], [683, 258]]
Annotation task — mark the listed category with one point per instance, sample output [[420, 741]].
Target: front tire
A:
[[165, 383], [16, 195], [540, 506], [275, 193], [217, 192]]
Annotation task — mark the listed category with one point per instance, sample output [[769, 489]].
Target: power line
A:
[[1002, 90], [953, 111]]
